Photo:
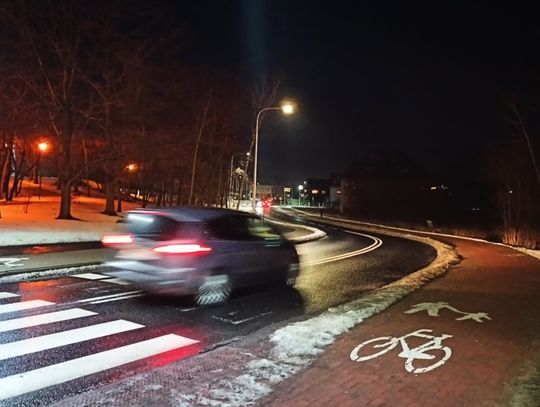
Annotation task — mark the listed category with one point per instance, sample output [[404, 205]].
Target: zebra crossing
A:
[[45, 317]]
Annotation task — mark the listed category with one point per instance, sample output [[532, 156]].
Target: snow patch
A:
[[36, 275], [530, 252]]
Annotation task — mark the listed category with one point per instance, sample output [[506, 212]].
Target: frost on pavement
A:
[[296, 345], [28, 276]]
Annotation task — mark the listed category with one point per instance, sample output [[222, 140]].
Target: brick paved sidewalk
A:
[[486, 357]]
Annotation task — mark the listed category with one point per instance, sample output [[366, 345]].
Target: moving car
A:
[[199, 251]]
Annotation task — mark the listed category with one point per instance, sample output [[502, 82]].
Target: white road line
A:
[[240, 321], [376, 244], [118, 298], [41, 343], [8, 295], [109, 296], [22, 383], [90, 276], [19, 306], [118, 281], [42, 319]]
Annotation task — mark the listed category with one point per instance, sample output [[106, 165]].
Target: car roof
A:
[[191, 214]]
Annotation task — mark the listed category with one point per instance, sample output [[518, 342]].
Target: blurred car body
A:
[[200, 251]]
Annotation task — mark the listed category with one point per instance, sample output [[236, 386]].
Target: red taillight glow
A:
[[183, 249], [114, 240]]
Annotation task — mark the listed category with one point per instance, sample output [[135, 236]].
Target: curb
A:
[[315, 235], [49, 272]]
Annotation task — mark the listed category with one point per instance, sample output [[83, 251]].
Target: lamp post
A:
[[42, 147], [287, 108], [300, 188], [231, 171]]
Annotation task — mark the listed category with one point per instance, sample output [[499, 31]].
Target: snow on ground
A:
[[38, 275], [32, 220]]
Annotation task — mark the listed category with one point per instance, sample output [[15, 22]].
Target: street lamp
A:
[[231, 170], [42, 148], [300, 188], [287, 108]]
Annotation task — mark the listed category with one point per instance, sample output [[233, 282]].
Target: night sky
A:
[[427, 79]]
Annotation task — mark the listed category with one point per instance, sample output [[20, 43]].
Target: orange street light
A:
[[131, 167], [43, 146]]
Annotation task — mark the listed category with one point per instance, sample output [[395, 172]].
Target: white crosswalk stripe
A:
[[41, 343], [24, 382], [16, 385], [49, 318], [24, 305], [8, 295]]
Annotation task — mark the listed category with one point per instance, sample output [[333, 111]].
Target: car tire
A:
[[290, 281], [215, 289]]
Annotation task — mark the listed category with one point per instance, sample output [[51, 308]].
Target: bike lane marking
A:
[[433, 308], [420, 352]]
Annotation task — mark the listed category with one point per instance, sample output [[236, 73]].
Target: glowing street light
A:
[[43, 146], [132, 167], [286, 107], [300, 188]]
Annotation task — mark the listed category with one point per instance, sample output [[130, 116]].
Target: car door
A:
[[270, 254], [235, 249]]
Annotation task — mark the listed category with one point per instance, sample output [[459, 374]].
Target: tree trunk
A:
[[4, 176], [119, 203], [65, 170], [109, 201], [65, 200]]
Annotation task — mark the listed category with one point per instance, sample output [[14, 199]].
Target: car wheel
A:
[[290, 281], [214, 290], [291, 274]]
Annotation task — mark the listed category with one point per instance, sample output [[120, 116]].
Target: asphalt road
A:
[[97, 344]]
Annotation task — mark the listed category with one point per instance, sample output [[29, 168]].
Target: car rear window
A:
[[159, 228]]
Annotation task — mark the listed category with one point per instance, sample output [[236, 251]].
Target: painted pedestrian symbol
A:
[[422, 352], [433, 308], [11, 261]]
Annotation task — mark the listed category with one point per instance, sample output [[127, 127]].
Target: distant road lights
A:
[[287, 107]]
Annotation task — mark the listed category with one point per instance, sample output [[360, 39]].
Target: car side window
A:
[[261, 230], [230, 228]]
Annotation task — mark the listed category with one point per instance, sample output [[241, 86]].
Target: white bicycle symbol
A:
[[387, 343]]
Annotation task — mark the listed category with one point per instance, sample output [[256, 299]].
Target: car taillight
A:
[[194, 249], [116, 240]]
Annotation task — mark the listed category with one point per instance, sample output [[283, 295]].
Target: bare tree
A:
[[516, 119]]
